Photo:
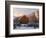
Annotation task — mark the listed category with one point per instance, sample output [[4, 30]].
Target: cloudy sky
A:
[[22, 11]]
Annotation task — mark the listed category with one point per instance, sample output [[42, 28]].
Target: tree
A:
[[34, 18], [24, 20]]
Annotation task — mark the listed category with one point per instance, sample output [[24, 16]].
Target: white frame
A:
[[16, 31]]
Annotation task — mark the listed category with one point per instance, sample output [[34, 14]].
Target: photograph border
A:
[[7, 16]]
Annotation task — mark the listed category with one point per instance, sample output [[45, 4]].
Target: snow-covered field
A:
[[26, 26]]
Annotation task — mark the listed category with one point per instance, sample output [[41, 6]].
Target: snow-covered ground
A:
[[26, 26]]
